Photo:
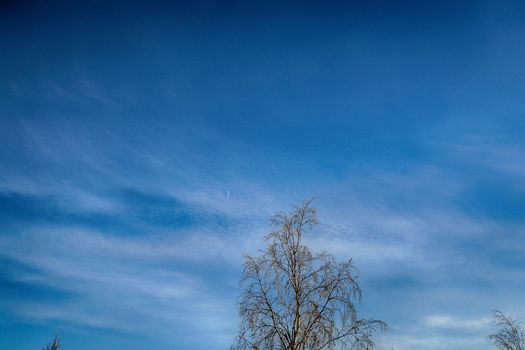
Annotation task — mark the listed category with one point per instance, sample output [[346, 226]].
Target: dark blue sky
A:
[[145, 145]]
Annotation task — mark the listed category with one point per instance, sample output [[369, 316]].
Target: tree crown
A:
[[294, 299]]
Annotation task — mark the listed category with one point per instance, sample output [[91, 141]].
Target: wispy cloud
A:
[[448, 321], [111, 281], [393, 223]]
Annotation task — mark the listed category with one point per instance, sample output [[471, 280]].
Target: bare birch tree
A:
[[293, 299], [509, 334]]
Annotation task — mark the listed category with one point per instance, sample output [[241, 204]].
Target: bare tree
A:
[[509, 334], [294, 299], [54, 345]]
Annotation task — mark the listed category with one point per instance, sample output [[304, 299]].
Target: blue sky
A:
[[145, 146]]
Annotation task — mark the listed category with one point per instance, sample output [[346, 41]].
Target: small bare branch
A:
[[509, 334], [54, 345]]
